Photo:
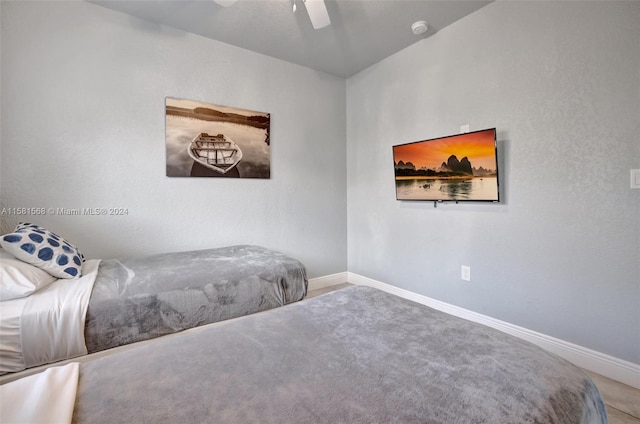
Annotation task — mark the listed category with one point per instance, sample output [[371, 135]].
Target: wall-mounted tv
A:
[[461, 167]]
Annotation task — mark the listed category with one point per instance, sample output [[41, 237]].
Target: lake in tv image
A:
[[456, 168]]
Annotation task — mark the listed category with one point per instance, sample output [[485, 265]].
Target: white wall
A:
[[83, 91], [561, 254]]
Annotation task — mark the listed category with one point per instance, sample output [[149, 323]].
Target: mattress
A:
[[356, 355], [122, 301]]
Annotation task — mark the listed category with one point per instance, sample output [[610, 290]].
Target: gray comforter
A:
[[356, 355], [143, 298]]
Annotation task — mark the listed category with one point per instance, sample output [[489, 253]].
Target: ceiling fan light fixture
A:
[[419, 27], [317, 13]]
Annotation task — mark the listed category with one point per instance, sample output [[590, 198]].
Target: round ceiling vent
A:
[[419, 27]]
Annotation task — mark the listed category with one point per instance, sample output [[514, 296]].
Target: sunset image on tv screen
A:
[[455, 168]]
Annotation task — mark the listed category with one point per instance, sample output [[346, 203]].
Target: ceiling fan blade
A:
[[318, 13], [225, 3]]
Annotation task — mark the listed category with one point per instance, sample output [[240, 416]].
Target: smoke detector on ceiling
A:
[[419, 27]]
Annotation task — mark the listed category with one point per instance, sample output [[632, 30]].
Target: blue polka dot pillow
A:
[[46, 250]]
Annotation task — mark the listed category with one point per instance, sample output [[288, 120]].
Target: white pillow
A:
[[19, 279], [46, 250]]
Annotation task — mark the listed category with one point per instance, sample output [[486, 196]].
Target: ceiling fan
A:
[[316, 9]]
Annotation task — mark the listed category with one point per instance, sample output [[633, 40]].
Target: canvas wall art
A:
[[208, 140]]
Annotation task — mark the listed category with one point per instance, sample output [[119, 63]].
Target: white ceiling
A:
[[362, 32]]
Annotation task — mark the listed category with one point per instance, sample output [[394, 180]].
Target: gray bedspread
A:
[[143, 298], [356, 355]]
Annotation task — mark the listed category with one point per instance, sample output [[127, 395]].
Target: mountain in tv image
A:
[[451, 168]]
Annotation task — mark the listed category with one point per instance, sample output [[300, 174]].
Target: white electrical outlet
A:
[[465, 272], [464, 129]]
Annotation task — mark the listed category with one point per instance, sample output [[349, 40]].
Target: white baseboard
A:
[[327, 281], [600, 363]]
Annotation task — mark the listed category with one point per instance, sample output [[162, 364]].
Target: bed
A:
[[356, 355], [123, 301]]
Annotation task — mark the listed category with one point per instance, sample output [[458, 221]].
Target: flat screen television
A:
[[461, 167]]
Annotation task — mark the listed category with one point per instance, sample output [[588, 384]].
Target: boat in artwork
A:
[[216, 152]]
